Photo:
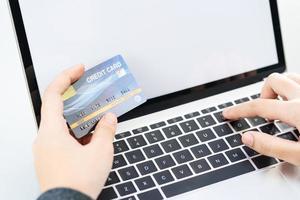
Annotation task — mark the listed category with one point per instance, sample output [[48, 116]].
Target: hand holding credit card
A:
[[107, 87]]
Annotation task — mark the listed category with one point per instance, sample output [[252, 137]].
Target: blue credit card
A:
[[107, 87]]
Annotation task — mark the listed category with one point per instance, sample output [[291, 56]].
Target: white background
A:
[[16, 168]]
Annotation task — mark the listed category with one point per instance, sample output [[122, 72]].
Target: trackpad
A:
[[266, 184], [292, 176]]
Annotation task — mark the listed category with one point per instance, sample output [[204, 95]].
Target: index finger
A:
[[273, 146], [267, 108], [52, 103]]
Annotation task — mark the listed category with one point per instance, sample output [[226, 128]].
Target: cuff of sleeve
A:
[[63, 194]]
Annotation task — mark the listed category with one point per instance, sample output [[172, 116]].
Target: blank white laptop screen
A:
[[169, 45]]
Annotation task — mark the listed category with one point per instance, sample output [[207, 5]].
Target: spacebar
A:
[[207, 179]]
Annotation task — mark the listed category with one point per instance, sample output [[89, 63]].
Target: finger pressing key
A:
[[266, 108], [273, 146]]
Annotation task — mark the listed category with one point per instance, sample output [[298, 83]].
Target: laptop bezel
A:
[[162, 102]]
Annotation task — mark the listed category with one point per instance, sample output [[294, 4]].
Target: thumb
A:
[[273, 146], [105, 129]]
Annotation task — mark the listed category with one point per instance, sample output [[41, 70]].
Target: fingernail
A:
[[248, 139], [110, 118]]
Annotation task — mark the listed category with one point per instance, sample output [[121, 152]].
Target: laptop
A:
[[193, 59]]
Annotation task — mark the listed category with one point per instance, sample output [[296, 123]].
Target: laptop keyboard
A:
[[185, 153]]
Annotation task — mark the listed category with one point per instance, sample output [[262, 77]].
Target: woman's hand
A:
[[60, 160], [286, 110]]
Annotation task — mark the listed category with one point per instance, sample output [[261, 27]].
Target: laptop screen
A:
[[169, 45]]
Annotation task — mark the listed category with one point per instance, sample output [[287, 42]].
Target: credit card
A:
[[107, 87]]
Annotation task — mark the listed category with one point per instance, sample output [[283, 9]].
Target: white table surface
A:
[[17, 177]]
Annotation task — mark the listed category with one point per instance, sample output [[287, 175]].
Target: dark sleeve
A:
[[63, 194]]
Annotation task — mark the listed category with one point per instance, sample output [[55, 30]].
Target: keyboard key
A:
[[135, 156], [163, 177], [145, 183], [208, 110], [158, 125], [240, 125], [206, 121], [123, 135], [256, 96], [217, 160], [284, 127], [165, 162], [270, 129], [225, 105], [205, 135], [150, 195], [146, 167], [107, 194], [200, 151], [170, 145], [183, 156], [288, 136], [235, 155], [119, 161], [254, 129], [199, 166], [120, 146], [188, 140], [255, 121], [126, 188], [234, 140], [136, 142], [172, 131], [112, 178], [242, 100], [263, 161], [222, 130], [154, 136], [174, 120], [140, 130], [153, 151], [250, 152], [189, 126], [128, 173], [191, 115], [129, 198], [297, 132], [218, 145], [219, 116], [207, 179], [182, 171]]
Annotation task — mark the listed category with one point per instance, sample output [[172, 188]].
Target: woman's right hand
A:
[[269, 107]]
